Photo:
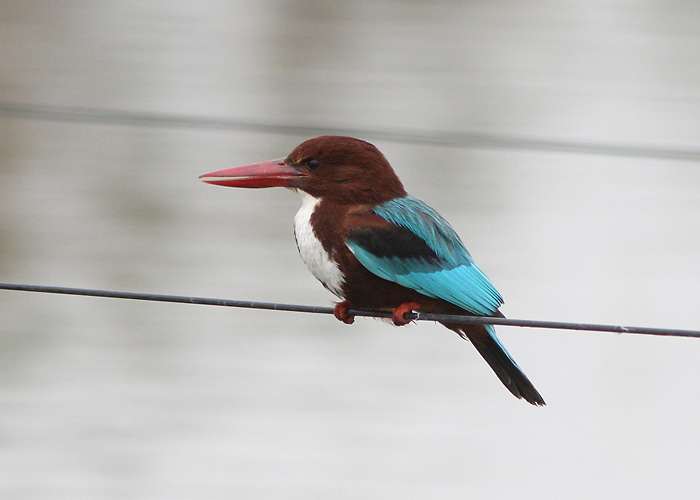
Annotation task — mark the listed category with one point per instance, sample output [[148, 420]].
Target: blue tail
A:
[[484, 339]]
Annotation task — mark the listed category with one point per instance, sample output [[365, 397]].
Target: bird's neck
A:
[[316, 246]]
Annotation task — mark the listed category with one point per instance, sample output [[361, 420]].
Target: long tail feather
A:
[[484, 339]]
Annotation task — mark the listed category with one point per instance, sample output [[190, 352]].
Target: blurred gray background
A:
[[104, 398]]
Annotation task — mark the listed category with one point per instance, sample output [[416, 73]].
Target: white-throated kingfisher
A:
[[378, 248]]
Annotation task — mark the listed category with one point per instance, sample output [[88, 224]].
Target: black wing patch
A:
[[393, 242]]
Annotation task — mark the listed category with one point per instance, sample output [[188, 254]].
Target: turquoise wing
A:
[[418, 249]]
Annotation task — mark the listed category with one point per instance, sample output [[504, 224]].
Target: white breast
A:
[[312, 252]]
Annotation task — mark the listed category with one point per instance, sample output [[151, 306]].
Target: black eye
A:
[[313, 164]]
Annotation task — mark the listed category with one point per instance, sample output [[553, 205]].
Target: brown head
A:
[[336, 168]]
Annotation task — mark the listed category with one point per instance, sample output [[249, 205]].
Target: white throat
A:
[[311, 250]]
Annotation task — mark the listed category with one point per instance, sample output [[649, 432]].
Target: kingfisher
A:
[[378, 248]]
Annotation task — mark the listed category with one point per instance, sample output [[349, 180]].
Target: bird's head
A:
[[341, 169]]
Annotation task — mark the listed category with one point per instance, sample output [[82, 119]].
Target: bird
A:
[[376, 247]]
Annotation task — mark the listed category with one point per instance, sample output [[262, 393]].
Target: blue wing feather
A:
[[449, 273]]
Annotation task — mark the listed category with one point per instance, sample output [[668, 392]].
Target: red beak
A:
[[275, 173]]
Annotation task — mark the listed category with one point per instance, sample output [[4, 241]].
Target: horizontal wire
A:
[[451, 139], [329, 310], [425, 137]]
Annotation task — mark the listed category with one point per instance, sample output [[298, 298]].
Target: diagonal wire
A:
[[425, 137], [182, 299]]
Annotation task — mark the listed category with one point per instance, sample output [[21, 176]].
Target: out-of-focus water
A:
[[103, 398]]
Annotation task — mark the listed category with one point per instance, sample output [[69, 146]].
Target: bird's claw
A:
[[398, 316], [340, 311]]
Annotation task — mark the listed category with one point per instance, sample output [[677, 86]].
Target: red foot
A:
[[341, 312], [398, 315]]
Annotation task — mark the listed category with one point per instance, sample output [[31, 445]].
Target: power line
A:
[[425, 137], [182, 299]]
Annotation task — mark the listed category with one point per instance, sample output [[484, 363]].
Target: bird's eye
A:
[[313, 164]]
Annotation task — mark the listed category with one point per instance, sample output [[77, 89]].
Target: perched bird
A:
[[378, 248]]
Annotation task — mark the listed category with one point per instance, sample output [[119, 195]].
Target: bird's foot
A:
[[398, 315], [340, 311]]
